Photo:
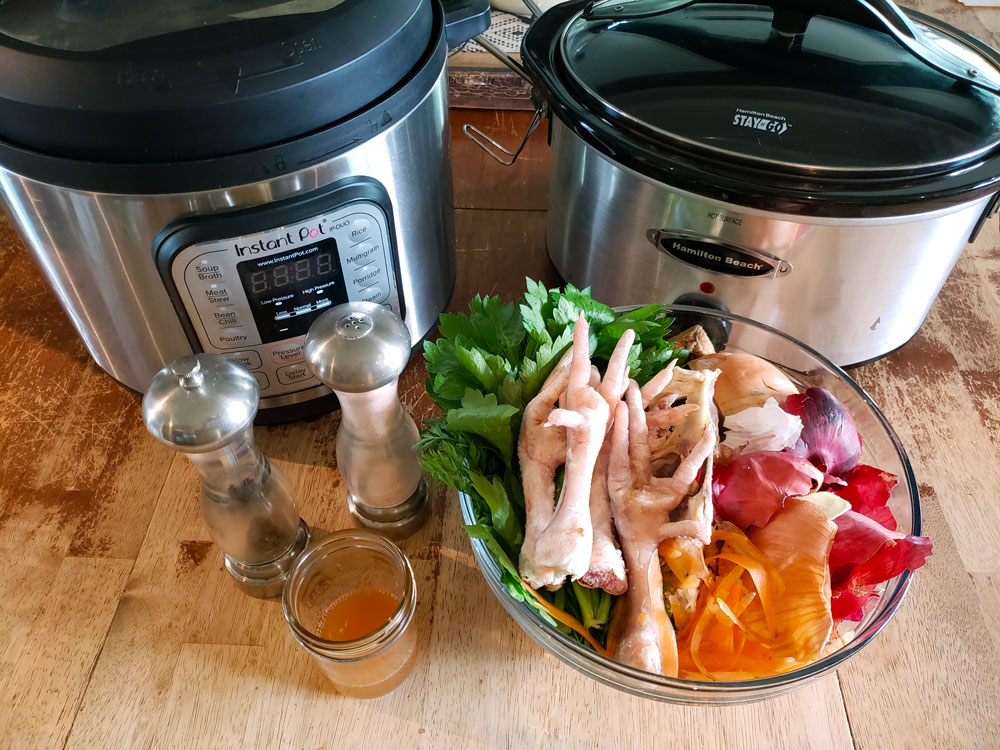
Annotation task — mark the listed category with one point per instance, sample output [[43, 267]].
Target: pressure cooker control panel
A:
[[252, 296]]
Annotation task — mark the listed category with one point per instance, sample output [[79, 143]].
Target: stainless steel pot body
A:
[[96, 249], [854, 289]]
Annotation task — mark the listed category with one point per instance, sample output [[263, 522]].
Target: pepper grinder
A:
[[359, 350], [203, 405]]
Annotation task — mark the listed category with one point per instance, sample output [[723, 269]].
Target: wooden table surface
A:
[[119, 627]]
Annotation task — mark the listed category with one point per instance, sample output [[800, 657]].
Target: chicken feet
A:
[[641, 504], [541, 449], [564, 548]]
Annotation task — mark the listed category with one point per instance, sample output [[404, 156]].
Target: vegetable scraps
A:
[[482, 371], [867, 550], [803, 536]]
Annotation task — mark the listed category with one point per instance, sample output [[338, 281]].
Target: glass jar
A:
[[341, 566]]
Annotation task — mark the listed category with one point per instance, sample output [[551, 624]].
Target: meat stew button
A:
[[292, 374]]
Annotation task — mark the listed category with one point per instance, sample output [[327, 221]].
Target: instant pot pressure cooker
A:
[[817, 165], [211, 177]]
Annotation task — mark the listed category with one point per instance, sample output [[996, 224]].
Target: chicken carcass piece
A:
[[641, 504], [688, 422], [541, 449], [696, 340], [676, 428], [564, 547]]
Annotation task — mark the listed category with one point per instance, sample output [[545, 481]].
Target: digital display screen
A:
[[288, 291]]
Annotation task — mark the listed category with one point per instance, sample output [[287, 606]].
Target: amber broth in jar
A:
[[357, 614], [350, 601]]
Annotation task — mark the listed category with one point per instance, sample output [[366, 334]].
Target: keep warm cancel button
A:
[[292, 374]]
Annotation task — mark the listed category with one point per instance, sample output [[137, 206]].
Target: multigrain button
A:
[[262, 381], [292, 374], [360, 230], [288, 351], [250, 359], [364, 253]]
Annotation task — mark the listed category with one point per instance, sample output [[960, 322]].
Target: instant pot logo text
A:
[[748, 118], [288, 239]]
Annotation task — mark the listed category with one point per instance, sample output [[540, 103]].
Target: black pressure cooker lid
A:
[[154, 81], [796, 91]]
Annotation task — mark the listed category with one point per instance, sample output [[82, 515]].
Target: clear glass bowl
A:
[[881, 448]]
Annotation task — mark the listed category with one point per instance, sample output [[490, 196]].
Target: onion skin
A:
[[746, 381], [829, 438]]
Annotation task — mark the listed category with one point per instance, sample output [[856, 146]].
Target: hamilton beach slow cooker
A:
[[817, 165], [212, 176]]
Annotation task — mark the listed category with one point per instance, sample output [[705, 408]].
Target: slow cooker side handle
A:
[[498, 152], [464, 19]]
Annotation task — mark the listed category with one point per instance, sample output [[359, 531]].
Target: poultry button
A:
[[230, 338]]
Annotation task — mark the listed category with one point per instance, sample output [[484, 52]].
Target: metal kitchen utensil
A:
[[203, 405], [359, 350]]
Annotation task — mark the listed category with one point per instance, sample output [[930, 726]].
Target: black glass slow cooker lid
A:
[[755, 180], [154, 81], [786, 88]]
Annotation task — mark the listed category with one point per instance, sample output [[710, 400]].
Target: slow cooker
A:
[[210, 177], [816, 165]]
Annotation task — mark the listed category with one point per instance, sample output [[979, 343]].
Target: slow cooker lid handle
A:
[[792, 16]]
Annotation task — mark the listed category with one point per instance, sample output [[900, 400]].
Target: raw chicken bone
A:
[[677, 428], [641, 504], [560, 542]]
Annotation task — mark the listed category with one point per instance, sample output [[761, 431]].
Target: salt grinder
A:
[[203, 405], [358, 350]]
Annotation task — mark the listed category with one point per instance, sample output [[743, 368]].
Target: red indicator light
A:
[[707, 287]]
